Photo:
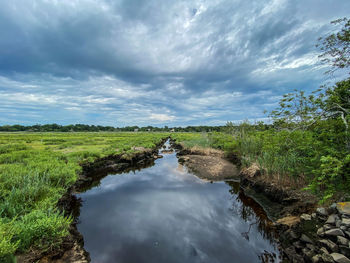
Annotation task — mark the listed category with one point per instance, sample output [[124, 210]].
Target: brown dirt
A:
[[210, 167], [289, 220]]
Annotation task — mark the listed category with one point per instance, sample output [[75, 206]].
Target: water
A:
[[165, 214]]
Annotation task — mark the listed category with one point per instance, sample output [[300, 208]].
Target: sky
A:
[[165, 62]]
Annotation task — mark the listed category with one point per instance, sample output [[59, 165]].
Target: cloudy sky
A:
[[164, 62]]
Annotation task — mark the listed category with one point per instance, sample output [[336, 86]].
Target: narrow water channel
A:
[[166, 214]]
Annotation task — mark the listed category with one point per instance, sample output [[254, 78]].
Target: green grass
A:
[[36, 169]]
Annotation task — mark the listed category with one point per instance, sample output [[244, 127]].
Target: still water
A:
[[166, 214]]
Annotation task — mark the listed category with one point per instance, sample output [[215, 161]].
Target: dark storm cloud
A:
[[155, 62]]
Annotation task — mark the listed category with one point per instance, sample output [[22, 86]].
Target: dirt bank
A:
[[207, 163], [277, 199], [72, 248]]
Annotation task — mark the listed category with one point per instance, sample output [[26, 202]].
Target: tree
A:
[[296, 111], [336, 46], [337, 102]]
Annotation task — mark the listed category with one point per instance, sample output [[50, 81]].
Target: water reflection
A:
[[165, 214]]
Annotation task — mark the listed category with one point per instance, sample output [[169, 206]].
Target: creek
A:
[[163, 213]]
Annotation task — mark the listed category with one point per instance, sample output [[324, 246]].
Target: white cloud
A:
[[161, 117]]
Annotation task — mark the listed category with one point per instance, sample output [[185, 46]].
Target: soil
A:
[[210, 167], [207, 163], [278, 200]]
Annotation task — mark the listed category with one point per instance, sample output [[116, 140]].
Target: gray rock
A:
[[322, 211], [343, 228], [293, 235], [298, 245], [342, 241], [327, 258], [320, 231], [347, 233], [331, 219], [316, 259], [324, 250], [308, 253], [345, 222], [339, 258], [331, 246], [306, 239], [305, 217], [327, 227], [293, 255], [313, 215], [332, 209], [345, 250], [337, 223], [311, 247], [334, 232]]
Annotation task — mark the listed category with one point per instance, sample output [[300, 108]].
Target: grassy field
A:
[[36, 169]]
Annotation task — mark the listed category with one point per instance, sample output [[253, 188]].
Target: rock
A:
[[343, 208], [298, 245], [347, 233], [308, 253], [293, 255], [342, 241], [327, 227], [334, 232], [343, 228], [339, 258], [311, 247], [293, 235], [316, 259], [345, 222], [327, 258], [331, 246], [337, 223], [324, 250], [345, 250], [320, 231], [322, 211], [306, 239], [305, 217], [332, 209], [331, 219]]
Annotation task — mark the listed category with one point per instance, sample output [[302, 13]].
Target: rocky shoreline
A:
[[322, 236]]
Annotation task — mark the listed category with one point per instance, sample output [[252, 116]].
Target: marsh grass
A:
[[36, 169]]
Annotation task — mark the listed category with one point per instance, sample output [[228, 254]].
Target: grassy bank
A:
[[36, 169], [316, 159]]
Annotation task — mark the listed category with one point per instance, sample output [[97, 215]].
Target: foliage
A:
[[296, 110], [336, 46], [98, 128]]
